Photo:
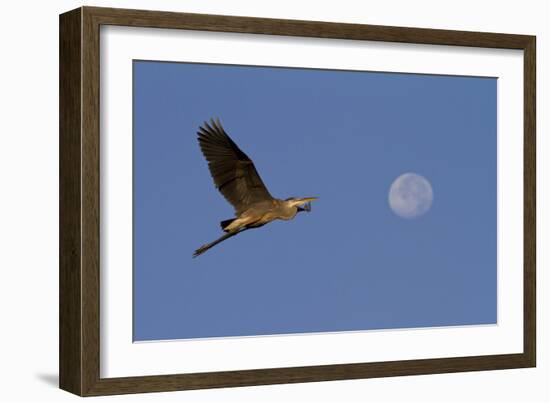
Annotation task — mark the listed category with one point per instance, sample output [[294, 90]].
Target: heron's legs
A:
[[225, 236]]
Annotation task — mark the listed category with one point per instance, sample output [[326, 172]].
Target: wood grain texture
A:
[[319, 373], [530, 202], [90, 201], [317, 29], [70, 309], [79, 201]]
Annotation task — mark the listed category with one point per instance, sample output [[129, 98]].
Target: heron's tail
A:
[[225, 223], [207, 246]]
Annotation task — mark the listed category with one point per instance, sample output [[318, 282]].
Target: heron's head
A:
[[302, 203]]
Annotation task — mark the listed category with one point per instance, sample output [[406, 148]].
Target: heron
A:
[[237, 179]]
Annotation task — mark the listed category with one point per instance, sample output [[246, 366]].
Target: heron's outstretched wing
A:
[[233, 172]]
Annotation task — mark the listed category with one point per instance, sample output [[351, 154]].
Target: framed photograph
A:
[[248, 201]]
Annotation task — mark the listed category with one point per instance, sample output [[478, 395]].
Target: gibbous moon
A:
[[411, 195]]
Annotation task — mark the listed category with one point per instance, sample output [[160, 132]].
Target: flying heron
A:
[[238, 181]]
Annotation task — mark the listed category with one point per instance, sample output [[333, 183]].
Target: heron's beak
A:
[[305, 202], [308, 199]]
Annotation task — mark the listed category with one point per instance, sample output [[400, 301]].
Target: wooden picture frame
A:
[[79, 358]]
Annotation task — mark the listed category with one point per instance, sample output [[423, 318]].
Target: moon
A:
[[410, 195]]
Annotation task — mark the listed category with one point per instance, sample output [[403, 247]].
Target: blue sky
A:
[[351, 264]]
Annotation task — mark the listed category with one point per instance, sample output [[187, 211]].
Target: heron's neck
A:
[[288, 211]]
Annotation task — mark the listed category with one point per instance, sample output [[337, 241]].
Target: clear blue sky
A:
[[351, 264]]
